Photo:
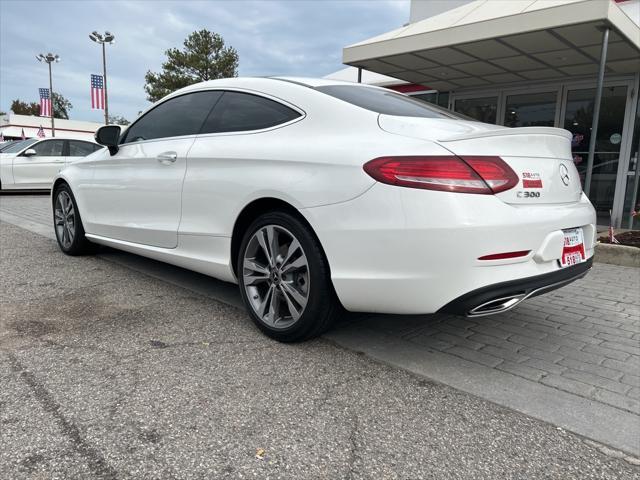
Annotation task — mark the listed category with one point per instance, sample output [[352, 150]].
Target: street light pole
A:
[[49, 58], [53, 125], [103, 40], [104, 72]]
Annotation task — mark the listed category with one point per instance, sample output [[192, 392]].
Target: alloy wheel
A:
[[275, 275], [65, 219]]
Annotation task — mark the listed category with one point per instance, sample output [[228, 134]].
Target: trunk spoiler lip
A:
[[506, 131]]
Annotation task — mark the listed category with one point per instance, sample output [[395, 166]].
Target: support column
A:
[[596, 110]]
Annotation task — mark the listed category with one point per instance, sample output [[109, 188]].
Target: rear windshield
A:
[[16, 147], [386, 102]]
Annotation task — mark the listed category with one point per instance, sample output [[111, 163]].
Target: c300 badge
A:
[[527, 194]]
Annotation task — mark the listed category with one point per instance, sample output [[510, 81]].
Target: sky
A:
[[279, 37]]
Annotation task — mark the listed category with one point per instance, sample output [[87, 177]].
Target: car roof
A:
[[257, 82]]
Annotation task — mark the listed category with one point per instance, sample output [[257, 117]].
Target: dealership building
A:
[[573, 64], [14, 127]]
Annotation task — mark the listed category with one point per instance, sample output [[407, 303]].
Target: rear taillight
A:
[[494, 171], [484, 175]]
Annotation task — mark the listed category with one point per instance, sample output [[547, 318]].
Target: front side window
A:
[[177, 116], [386, 102], [49, 148], [238, 112], [81, 149]]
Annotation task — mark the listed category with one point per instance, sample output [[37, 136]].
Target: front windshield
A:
[[6, 145], [16, 147]]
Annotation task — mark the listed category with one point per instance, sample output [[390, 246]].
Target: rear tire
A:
[[67, 223], [284, 279]]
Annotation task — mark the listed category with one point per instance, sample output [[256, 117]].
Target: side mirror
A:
[[108, 135], [29, 152]]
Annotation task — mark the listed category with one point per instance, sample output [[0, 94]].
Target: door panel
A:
[[38, 171], [136, 193]]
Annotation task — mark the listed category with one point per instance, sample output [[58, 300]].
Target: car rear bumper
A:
[[503, 296], [408, 251]]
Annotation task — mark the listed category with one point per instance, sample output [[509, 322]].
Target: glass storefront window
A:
[[531, 110], [578, 116], [438, 98], [482, 109]]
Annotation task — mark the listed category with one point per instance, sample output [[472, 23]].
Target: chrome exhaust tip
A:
[[497, 305]]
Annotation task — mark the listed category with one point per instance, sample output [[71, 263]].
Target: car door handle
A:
[[167, 157]]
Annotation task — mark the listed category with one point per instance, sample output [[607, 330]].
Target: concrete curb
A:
[[617, 255]]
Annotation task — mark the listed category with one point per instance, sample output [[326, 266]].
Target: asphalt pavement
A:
[[110, 373]]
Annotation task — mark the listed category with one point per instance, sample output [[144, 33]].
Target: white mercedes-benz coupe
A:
[[316, 195]]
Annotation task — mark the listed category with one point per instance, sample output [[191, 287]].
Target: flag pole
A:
[[49, 58]]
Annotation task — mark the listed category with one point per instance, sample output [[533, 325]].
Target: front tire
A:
[[284, 279], [68, 224]]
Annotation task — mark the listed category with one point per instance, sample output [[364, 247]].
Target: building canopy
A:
[[490, 42]]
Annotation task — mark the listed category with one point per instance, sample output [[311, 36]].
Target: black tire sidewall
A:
[[79, 244], [321, 289]]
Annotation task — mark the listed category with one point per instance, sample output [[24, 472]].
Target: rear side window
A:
[[385, 101], [177, 116], [81, 149], [239, 112]]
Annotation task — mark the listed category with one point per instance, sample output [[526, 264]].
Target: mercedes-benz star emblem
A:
[[564, 174]]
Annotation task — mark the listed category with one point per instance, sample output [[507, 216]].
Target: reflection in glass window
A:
[[531, 110], [578, 118], [482, 109], [437, 98]]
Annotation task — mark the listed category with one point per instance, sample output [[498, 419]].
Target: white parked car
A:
[[32, 164], [316, 195]]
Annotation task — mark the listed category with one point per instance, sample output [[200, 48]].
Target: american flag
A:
[[45, 102], [41, 132], [97, 92]]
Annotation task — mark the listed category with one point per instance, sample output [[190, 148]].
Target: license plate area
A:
[[573, 251]]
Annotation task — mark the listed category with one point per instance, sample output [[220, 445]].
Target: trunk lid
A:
[[540, 156]]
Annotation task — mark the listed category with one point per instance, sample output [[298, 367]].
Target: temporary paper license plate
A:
[[573, 249]]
